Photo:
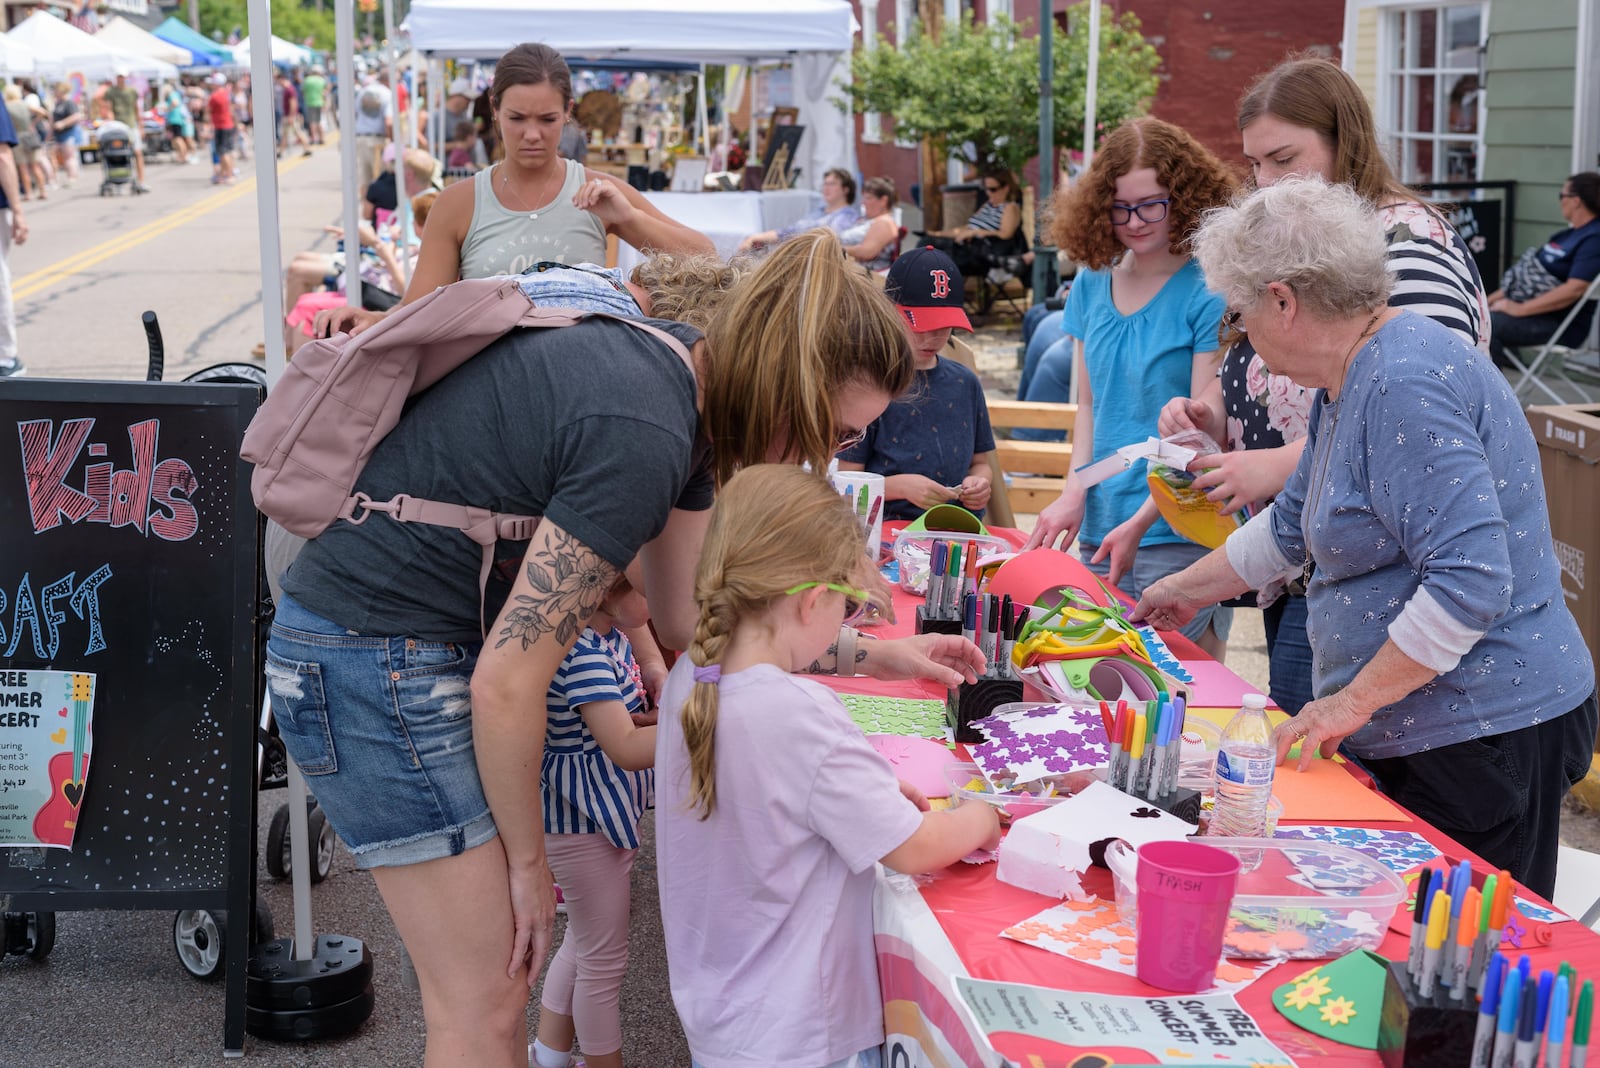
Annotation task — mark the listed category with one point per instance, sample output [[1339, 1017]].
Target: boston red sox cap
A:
[[926, 286]]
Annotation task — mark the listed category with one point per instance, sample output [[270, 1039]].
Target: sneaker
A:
[[16, 369], [561, 902], [140, 187]]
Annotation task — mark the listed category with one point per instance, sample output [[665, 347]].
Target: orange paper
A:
[[1327, 791]]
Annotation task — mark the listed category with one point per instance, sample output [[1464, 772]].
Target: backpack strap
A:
[[481, 525]]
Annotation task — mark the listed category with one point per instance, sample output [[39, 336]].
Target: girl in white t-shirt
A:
[[773, 811]]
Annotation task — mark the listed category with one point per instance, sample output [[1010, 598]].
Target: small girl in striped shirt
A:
[[596, 781]]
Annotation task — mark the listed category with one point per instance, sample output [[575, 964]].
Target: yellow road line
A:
[[36, 281]]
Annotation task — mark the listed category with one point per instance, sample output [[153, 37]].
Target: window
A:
[[1434, 91], [871, 123]]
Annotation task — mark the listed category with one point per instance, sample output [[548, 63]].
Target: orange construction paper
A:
[[1327, 791]]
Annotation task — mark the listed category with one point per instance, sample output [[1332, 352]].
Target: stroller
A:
[[116, 155]]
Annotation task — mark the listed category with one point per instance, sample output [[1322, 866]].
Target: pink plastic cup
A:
[[1185, 891]]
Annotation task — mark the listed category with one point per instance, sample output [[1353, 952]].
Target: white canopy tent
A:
[[282, 52], [15, 57], [814, 35], [120, 33], [60, 49]]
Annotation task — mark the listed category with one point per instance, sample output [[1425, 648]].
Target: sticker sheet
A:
[[1042, 740]]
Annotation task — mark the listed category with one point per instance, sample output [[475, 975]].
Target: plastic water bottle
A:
[[1245, 764]]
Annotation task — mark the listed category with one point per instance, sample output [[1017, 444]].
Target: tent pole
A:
[[259, 15], [1089, 104], [700, 116], [405, 137], [344, 22], [1047, 140]]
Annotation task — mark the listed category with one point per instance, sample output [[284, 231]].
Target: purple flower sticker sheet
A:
[[1040, 740], [1399, 851]]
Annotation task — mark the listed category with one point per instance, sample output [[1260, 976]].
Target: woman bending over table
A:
[[415, 727], [533, 206], [1443, 652]]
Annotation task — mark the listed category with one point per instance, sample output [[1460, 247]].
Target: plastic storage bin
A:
[[1296, 900], [968, 784]]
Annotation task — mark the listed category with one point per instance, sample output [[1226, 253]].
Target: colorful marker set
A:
[[992, 624], [952, 575], [857, 500], [1522, 1021], [1146, 746], [1455, 929]]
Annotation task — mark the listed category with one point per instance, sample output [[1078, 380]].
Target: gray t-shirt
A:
[[593, 426]]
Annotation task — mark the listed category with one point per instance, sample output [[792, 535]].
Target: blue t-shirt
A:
[[8, 136], [934, 429], [1574, 253], [1136, 364]]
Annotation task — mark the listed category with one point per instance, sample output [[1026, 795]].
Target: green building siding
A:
[[1530, 85]]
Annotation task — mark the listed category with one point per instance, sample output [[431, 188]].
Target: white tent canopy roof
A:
[[120, 33], [60, 49], [15, 57], [706, 31], [282, 52]]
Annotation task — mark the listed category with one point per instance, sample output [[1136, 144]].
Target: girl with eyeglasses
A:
[[1307, 117], [772, 810], [1143, 327]]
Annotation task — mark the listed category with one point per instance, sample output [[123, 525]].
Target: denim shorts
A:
[[382, 729]]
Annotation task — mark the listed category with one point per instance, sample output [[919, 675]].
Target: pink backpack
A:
[[342, 395]]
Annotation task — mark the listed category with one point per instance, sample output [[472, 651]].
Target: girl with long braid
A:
[[772, 810]]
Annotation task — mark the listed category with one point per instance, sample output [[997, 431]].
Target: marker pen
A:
[[989, 620], [1158, 754], [1556, 1028], [952, 579], [1547, 982], [969, 619], [1505, 1032], [1008, 620], [1504, 888], [1114, 737], [1524, 1052], [1457, 895], [1438, 921], [1136, 755], [1466, 935], [1497, 913], [1580, 1025], [1419, 925], [1483, 1038], [937, 561], [1524, 969], [1483, 951]]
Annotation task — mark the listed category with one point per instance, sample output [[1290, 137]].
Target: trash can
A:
[[1569, 452]]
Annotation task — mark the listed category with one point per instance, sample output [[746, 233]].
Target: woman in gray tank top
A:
[[871, 242], [533, 205]]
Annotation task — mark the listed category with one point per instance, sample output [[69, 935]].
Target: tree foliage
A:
[[293, 20], [978, 85]]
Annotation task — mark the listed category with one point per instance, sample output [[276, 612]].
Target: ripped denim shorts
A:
[[382, 729]]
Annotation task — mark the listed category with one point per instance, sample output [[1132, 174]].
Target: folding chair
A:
[[1555, 355]]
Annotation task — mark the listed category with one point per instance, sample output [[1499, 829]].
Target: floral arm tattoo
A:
[[569, 580], [818, 667]]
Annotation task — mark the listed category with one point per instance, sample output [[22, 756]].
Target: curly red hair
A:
[[1194, 179]]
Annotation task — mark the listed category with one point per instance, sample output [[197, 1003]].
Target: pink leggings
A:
[[584, 980]]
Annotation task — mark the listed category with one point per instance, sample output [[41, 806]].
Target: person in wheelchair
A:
[[1539, 290], [993, 235]]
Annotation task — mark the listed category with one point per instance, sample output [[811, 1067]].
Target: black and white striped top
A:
[[988, 217], [1434, 273]]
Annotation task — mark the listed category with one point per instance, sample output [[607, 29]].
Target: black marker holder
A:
[[1182, 803], [927, 625], [1424, 1032], [972, 701]]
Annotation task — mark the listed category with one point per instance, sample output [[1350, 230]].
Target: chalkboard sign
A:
[[130, 551]]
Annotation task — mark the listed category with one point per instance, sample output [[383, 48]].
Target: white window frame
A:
[[905, 12], [1393, 86], [871, 121]]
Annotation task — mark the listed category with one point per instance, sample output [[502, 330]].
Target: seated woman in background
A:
[[993, 231], [872, 239], [1540, 289], [839, 212]]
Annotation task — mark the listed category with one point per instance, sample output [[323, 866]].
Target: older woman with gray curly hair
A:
[[1445, 657]]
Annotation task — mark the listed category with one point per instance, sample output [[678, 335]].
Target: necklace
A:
[[505, 184], [1324, 449]]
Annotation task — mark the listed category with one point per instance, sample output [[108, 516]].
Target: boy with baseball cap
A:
[[932, 444]]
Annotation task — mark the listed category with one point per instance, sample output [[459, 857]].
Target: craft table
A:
[[931, 931]]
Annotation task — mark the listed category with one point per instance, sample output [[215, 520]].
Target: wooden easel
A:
[[777, 175]]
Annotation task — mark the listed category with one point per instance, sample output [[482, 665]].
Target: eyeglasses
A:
[[848, 439], [856, 602], [1565, 196], [1232, 330], [1150, 211], [987, 188]]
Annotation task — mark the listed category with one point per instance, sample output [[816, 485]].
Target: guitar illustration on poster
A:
[[45, 730]]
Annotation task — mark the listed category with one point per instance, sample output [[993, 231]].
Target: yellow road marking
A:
[[36, 281]]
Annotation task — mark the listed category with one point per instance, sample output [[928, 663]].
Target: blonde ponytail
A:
[[774, 527]]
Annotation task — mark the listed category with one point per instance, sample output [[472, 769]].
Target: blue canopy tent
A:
[[207, 53]]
